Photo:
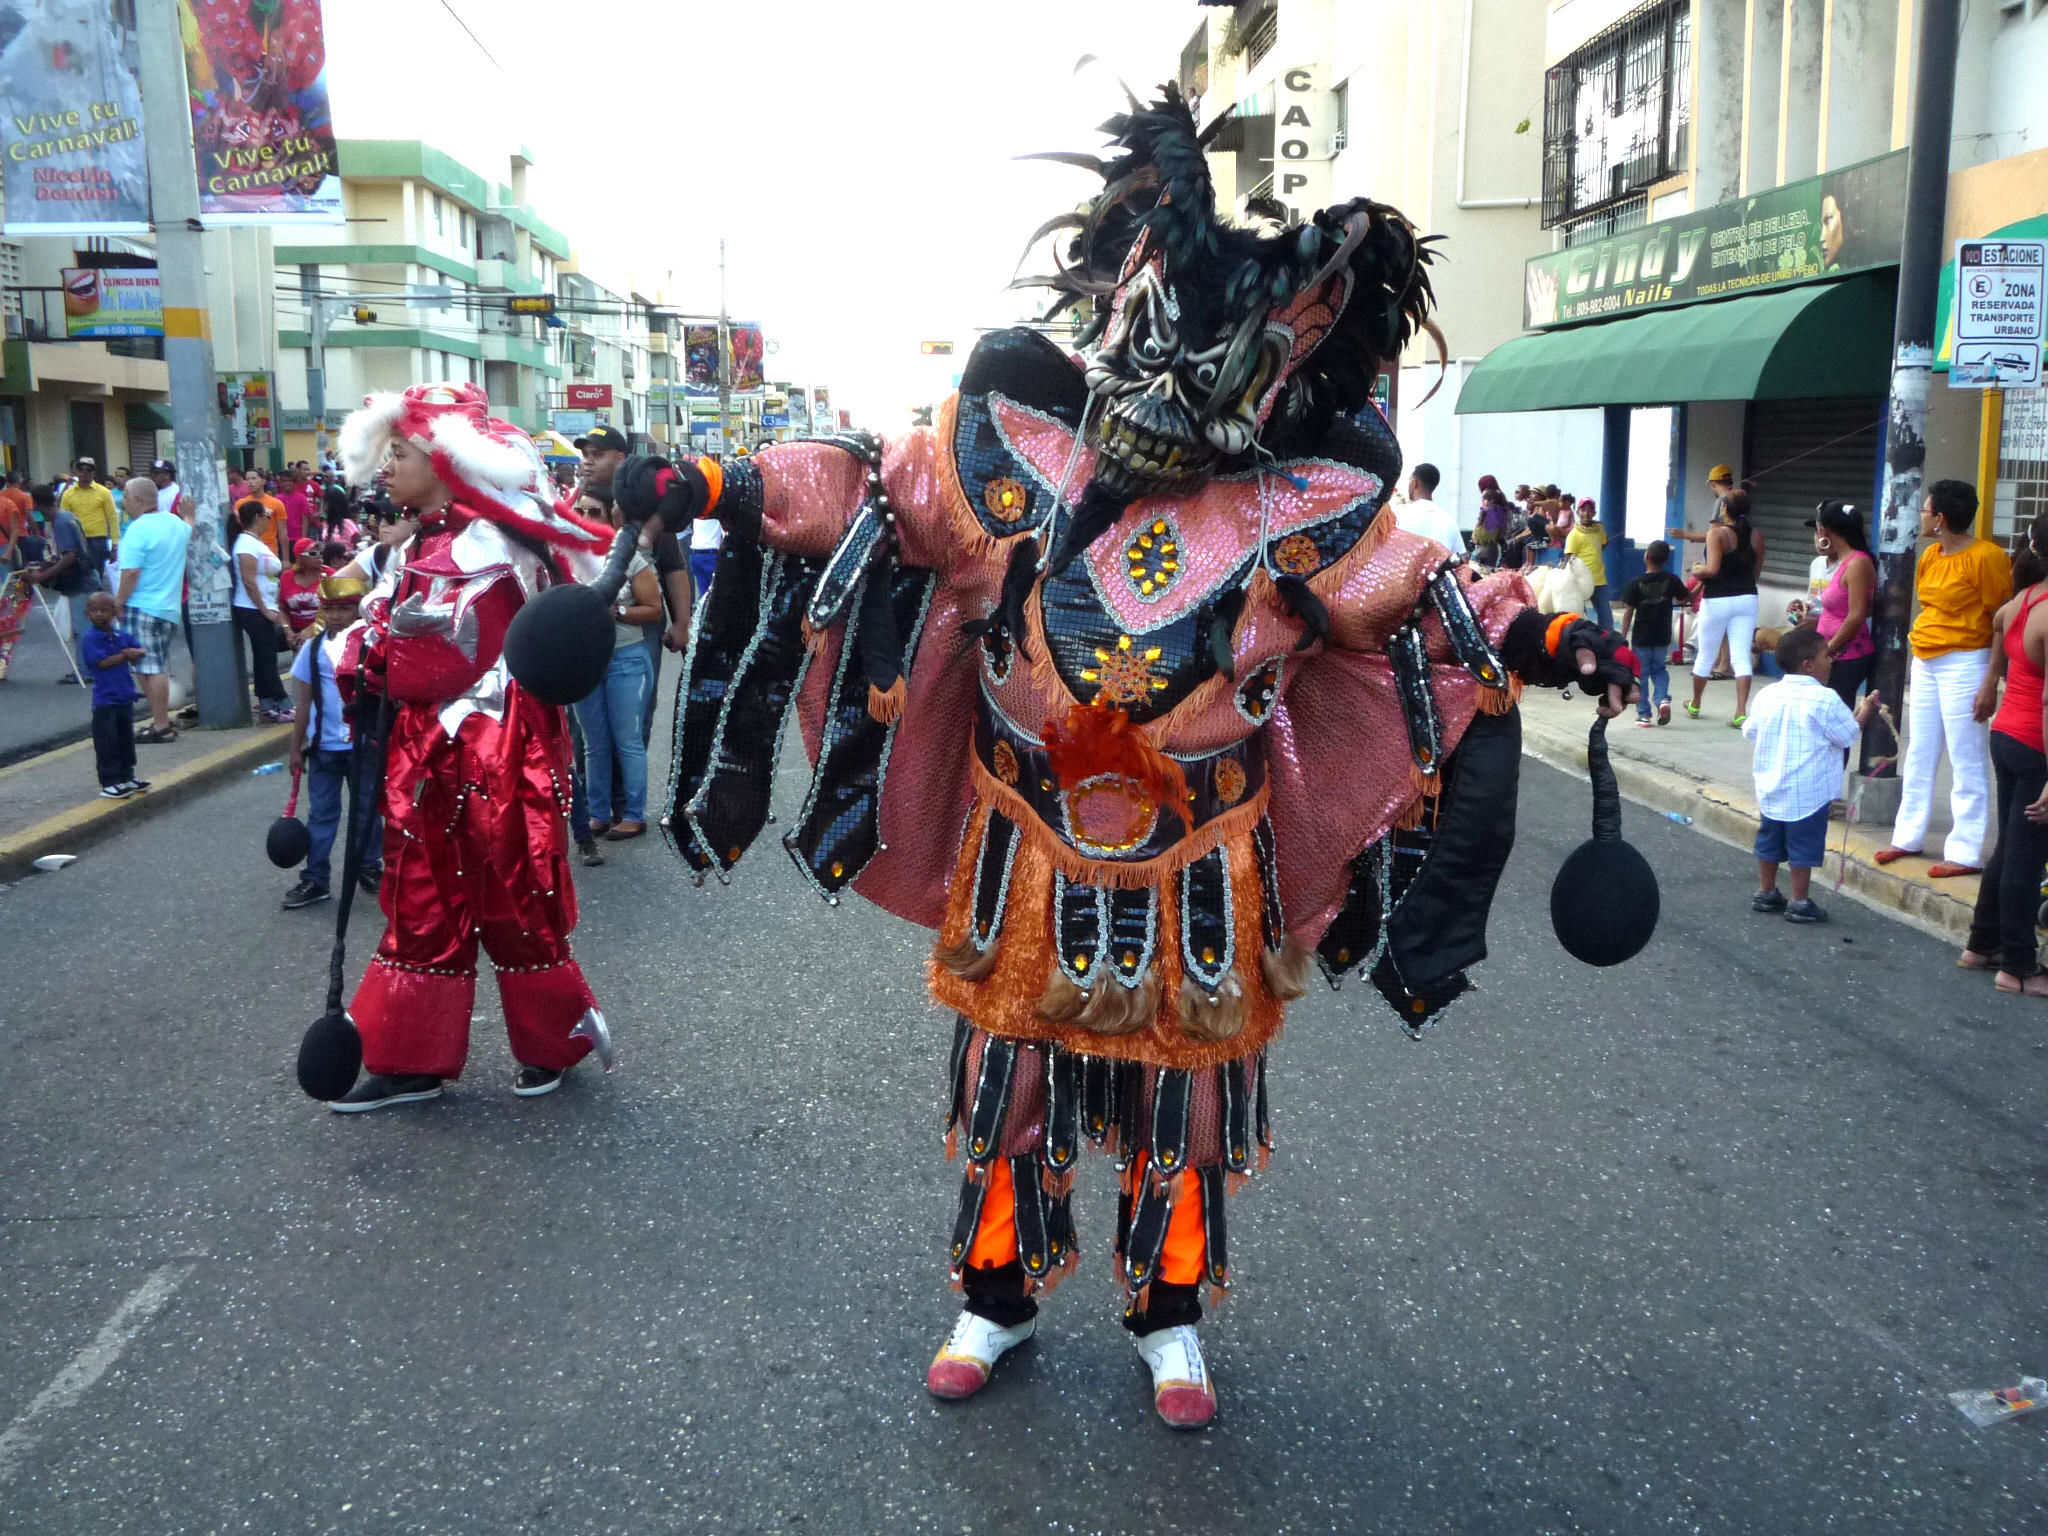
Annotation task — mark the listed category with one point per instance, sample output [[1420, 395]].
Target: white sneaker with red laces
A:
[[962, 1366], [1181, 1389]]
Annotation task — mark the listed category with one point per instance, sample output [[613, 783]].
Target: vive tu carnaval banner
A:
[[71, 141], [261, 130]]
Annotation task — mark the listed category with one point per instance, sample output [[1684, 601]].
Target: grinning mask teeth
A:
[[1173, 399]]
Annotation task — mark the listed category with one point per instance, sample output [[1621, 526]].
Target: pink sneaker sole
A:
[[1185, 1407], [953, 1379]]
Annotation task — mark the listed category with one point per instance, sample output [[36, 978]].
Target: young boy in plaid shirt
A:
[[1801, 728]]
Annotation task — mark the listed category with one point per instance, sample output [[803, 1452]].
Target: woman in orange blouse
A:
[[1961, 582]]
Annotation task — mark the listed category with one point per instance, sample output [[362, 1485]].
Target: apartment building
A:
[[606, 338], [423, 273]]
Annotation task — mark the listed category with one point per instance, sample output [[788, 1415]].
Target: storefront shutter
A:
[[1801, 453]]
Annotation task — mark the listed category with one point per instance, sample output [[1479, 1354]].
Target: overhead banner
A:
[[799, 408], [1825, 225], [74, 162], [821, 407], [700, 359], [116, 301], [261, 131], [749, 358]]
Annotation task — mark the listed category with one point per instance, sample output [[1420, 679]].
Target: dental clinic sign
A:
[[1818, 228], [1305, 123]]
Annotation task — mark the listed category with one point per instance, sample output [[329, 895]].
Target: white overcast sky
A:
[[856, 156]]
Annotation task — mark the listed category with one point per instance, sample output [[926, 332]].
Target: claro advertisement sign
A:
[[1840, 222]]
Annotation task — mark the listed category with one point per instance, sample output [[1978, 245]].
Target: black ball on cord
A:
[[559, 644], [287, 842], [330, 1056], [1603, 904]]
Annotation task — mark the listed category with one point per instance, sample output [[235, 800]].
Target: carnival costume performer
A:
[[477, 779], [1121, 677]]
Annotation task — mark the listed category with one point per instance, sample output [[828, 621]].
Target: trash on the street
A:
[[1678, 816], [277, 767], [56, 861], [1994, 1405]]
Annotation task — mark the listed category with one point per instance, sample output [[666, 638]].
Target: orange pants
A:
[[1181, 1262]]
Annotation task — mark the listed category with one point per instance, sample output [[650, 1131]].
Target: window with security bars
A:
[[2022, 493], [1616, 114]]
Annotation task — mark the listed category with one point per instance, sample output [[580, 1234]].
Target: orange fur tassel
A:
[[1096, 740], [887, 707]]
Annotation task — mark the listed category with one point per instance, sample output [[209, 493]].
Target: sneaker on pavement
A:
[[1807, 911], [1181, 1389], [962, 1366], [1645, 723], [380, 1092], [115, 792], [1772, 900], [371, 879], [1664, 713], [138, 785], [587, 852], [532, 1082], [304, 894]]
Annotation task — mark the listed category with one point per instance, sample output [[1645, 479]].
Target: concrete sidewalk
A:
[[1700, 769], [51, 803]]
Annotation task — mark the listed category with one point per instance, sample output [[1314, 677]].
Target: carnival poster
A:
[[700, 359], [261, 130], [821, 408], [71, 138], [799, 409], [749, 358]]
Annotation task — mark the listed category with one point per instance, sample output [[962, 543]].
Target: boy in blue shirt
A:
[[323, 747], [107, 653]]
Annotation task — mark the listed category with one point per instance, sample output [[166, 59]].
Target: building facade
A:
[[418, 286], [1723, 200]]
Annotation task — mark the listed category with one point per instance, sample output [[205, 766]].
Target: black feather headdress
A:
[[1157, 200]]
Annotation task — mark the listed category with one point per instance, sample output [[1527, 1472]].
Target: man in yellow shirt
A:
[[93, 505], [1587, 542], [1960, 582]]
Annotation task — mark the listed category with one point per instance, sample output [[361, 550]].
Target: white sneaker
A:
[[961, 1367], [1181, 1389]]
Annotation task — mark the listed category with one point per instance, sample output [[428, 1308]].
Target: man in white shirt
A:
[[169, 498], [1420, 515]]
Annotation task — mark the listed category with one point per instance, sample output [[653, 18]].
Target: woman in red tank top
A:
[[2009, 892]]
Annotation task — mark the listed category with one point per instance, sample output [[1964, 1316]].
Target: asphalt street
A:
[[1700, 1244]]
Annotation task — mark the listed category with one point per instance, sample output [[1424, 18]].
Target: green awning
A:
[[2035, 228], [149, 415], [1812, 341]]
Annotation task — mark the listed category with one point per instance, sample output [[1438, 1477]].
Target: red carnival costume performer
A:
[[477, 782], [1121, 678]]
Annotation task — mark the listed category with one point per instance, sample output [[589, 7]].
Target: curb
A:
[[1734, 822], [95, 821]]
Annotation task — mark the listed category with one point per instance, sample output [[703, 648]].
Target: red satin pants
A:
[[474, 853]]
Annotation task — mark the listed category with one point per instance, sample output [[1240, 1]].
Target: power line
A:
[[480, 48]]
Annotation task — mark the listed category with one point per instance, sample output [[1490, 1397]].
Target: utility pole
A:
[[188, 349], [316, 356], [1905, 434], [724, 360]]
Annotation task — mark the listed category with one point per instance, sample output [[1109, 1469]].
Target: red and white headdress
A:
[[490, 467]]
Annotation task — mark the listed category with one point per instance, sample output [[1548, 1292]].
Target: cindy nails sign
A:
[[1825, 225]]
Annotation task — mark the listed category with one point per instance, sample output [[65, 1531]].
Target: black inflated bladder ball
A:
[[560, 644], [287, 842], [330, 1056], [1603, 903]]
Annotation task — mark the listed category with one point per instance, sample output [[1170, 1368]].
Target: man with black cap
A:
[[604, 449], [169, 496]]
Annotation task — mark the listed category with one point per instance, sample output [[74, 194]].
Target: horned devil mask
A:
[[1209, 343]]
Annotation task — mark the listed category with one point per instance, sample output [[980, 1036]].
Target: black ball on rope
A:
[[287, 842], [330, 1056], [559, 645], [1604, 904]]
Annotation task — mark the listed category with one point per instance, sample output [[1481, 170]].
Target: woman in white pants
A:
[[1728, 607], [1960, 583]]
